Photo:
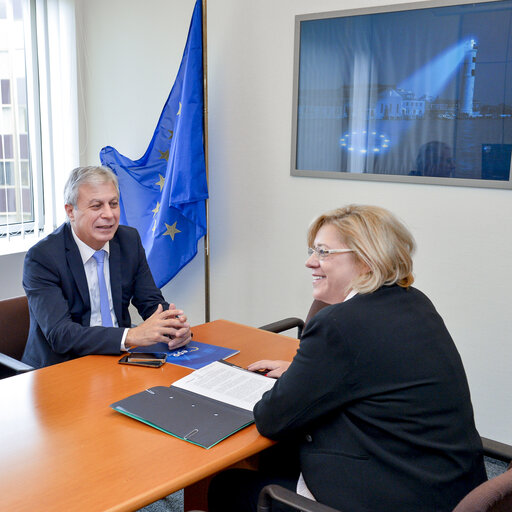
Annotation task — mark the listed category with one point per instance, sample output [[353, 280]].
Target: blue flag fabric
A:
[[163, 193]]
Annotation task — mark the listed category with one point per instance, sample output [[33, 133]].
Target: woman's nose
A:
[[312, 261]]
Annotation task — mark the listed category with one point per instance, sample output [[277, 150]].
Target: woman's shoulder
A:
[[386, 296]]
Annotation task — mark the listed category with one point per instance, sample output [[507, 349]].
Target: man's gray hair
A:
[[91, 174]]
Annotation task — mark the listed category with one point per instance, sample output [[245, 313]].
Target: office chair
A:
[[276, 493], [14, 324], [495, 495], [291, 322]]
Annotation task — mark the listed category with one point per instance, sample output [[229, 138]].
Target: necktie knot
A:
[[99, 256]]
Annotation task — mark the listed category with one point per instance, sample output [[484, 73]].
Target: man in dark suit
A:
[[81, 278]]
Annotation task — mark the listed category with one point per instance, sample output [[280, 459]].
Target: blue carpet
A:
[[494, 467], [171, 503]]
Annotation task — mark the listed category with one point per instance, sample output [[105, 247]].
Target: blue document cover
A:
[[194, 355]]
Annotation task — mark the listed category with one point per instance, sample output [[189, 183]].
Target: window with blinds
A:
[[18, 122]]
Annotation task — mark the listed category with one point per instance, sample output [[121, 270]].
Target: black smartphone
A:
[[149, 359]]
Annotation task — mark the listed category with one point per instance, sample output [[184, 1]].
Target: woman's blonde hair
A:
[[378, 239]]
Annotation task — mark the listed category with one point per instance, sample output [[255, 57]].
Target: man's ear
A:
[[69, 211]]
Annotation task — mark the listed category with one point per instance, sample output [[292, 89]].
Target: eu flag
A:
[[163, 193]]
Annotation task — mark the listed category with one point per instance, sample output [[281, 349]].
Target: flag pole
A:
[[205, 142]]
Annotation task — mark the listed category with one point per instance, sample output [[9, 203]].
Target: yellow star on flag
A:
[[164, 155], [160, 182], [157, 209], [171, 133], [171, 230], [154, 226], [179, 110]]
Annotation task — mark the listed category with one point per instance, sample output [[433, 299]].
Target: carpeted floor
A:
[[171, 503], [494, 467]]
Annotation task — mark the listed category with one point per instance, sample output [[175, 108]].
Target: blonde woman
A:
[[376, 398]]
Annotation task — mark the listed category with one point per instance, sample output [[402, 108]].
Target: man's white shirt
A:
[[91, 274]]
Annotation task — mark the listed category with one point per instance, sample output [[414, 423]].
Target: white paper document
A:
[[228, 384]]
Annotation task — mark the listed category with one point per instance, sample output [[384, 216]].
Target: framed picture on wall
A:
[[418, 93]]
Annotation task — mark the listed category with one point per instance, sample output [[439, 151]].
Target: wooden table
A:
[[63, 448]]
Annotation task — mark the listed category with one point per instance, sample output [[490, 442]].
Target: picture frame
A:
[[412, 93]]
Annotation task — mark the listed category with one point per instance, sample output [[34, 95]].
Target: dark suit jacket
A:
[[58, 296], [379, 403]]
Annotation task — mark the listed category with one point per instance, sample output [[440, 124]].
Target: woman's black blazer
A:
[[379, 402]]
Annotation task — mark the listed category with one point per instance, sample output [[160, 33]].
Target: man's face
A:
[[96, 216]]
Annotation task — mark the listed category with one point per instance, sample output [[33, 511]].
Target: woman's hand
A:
[[274, 368]]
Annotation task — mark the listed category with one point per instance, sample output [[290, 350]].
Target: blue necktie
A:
[[106, 318]]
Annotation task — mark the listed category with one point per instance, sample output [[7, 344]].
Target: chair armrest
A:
[[14, 364], [277, 493], [284, 325], [497, 450]]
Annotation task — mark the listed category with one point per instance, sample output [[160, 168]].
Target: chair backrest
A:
[[495, 495], [14, 324], [316, 306], [275, 493]]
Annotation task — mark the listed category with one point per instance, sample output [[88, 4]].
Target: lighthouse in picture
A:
[[468, 79]]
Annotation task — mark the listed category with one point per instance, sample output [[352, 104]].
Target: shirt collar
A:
[[350, 295], [86, 252]]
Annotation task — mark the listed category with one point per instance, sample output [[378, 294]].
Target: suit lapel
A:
[[115, 277], [76, 266]]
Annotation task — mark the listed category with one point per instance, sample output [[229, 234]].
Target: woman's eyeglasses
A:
[[323, 253]]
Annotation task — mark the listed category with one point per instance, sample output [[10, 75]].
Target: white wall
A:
[[129, 56]]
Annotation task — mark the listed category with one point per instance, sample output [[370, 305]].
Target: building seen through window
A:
[[16, 166]]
